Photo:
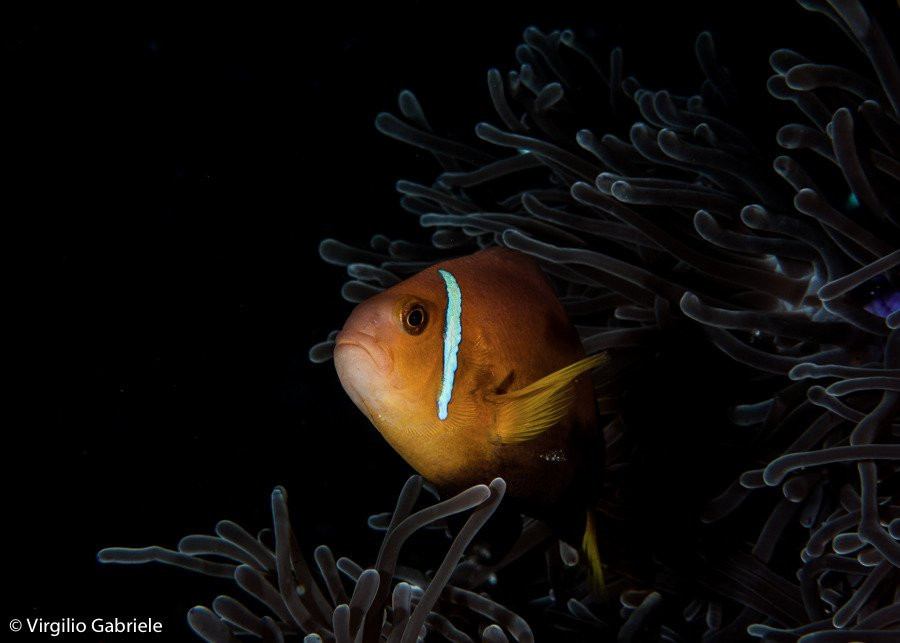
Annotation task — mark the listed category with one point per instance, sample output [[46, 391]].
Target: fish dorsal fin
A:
[[526, 413]]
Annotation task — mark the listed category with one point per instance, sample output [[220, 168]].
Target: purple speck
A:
[[884, 305]]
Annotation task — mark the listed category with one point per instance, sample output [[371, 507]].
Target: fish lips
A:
[[354, 341], [362, 365]]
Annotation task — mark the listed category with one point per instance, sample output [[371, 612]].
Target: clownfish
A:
[[471, 370]]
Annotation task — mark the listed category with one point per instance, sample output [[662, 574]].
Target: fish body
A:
[[471, 370]]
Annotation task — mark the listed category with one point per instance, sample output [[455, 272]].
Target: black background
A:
[[168, 179]]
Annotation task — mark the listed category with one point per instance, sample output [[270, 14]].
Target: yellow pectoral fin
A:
[[528, 412]]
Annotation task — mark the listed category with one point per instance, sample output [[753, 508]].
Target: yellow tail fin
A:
[[589, 547]]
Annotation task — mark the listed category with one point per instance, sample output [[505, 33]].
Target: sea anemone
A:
[[388, 602], [679, 231]]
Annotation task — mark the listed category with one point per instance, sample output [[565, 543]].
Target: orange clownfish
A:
[[471, 370]]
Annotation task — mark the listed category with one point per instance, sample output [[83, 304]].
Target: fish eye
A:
[[415, 318]]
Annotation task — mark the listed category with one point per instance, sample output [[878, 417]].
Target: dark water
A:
[[170, 178]]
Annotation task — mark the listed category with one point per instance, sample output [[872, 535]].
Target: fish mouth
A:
[[355, 340], [362, 366]]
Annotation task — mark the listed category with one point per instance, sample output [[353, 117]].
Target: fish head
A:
[[385, 356]]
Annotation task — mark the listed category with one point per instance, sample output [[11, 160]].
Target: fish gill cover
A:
[[670, 238]]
